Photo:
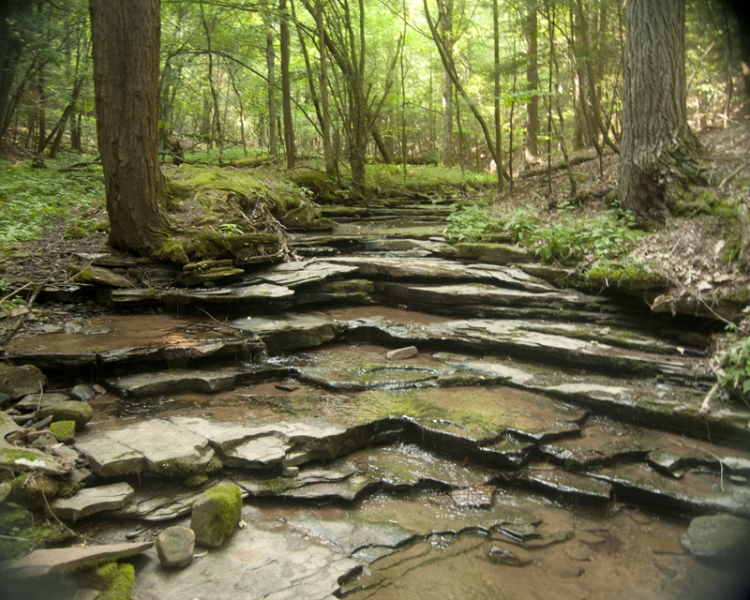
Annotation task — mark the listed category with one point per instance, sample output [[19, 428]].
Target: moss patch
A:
[[23, 533], [64, 431], [117, 581], [31, 489]]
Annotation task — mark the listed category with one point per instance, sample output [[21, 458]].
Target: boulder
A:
[[17, 382], [718, 537], [216, 515], [71, 410], [175, 547]]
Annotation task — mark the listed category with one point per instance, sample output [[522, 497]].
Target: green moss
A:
[[8, 457], [84, 276], [629, 276], [228, 499], [117, 581], [23, 533], [32, 489], [64, 431], [195, 481]]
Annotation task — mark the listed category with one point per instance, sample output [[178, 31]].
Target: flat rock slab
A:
[[64, 560], [290, 331], [89, 501], [693, 492], [172, 382], [471, 415], [135, 338], [34, 402], [183, 297], [567, 484], [155, 446], [252, 564], [295, 274]]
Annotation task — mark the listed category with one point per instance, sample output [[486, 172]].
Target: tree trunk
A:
[[656, 140], [446, 30], [126, 81], [11, 48], [286, 89], [532, 84], [216, 122], [325, 124], [496, 104], [271, 70]]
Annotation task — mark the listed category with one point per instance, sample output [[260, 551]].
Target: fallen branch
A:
[[706, 404], [13, 328], [81, 165], [576, 160]]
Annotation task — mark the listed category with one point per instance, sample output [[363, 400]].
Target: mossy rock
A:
[[34, 490], [24, 533], [216, 515], [117, 580], [20, 381], [71, 410], [628, 277], [64, 431], [306, 218], [318, 182]]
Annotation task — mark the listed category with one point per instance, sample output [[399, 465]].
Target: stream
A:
[[538, 442]]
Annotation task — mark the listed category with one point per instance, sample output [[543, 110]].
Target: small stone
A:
[[718, 537], [667, 547], [287, 386], [98, 389], [175, 547], [290, 471], [216, 515], [72, 410], [402, 353], [515, 558], [32, 402], [83, 392]]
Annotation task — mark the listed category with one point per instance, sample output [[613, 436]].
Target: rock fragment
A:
[[17, 382], [175, 547], [89, 501], [402, 353], [718, 537]]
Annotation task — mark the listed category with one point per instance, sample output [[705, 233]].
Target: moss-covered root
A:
[[117, 581], [216, 515]]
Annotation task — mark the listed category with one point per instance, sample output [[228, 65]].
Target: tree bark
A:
[[286, 88], [125, 40], [271, 70], [332, 169], [445, 8], [532, 85], [656, 140]]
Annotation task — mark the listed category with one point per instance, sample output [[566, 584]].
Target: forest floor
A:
[[690, 251]]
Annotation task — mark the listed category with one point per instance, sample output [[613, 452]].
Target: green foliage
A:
[[607, 235], [470, 223], [423, 178], [23, 533], [30, 198], [733, 374]]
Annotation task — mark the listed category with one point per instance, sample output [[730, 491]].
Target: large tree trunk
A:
[[656, 138], [286, 88], [126, 80], [446, 30], [271, 68], [532, 85]]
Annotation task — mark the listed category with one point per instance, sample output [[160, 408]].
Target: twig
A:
[[706, 404], [731, 175], [13, 329], [17, 539]]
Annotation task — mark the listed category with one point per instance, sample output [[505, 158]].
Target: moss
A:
[[76, 232], [84, 276], [627, 276], [9, 456], [68, 489], [228, 504], [172, 250], [64, 431], [117, 580], [32, 489], [24, 533], [177, 468], [195, 481]]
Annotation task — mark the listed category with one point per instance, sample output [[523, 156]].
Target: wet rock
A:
[[173, 382], [480, 496], [290, 331], [567, 484], [719, 537], [157, 501], [216, 515], [83, 392], [260, 452], [256, 564], [402, 353], [71, 410], [155, 446], [665, 546], [17, 382], [694, 492], [4, 398], [295, 274], [20, 460], [175, 546], [64, 560], [32, 402], [512, 558], [89, 501]]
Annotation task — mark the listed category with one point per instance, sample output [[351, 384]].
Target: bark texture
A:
[[125, 39], [656, 141]]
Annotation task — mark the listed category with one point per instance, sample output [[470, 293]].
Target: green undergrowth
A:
[[30, 197], [610, 234], [731, 363], [22, 532], [385, 179]]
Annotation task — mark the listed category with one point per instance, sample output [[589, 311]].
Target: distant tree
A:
[[125, 40], [657, 144]]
